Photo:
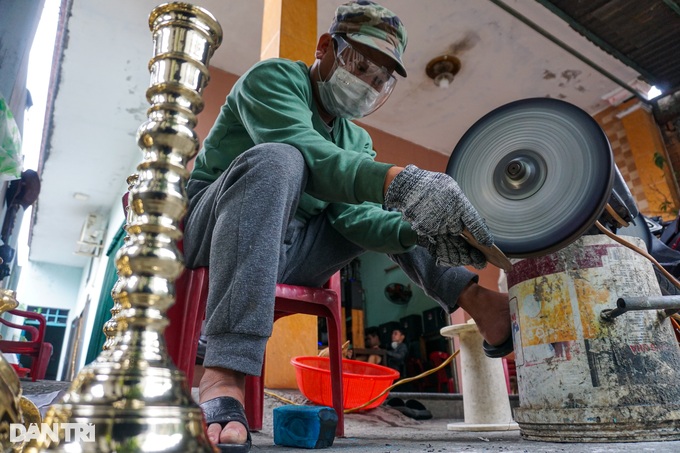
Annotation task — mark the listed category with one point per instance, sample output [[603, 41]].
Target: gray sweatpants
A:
[[243, 227]]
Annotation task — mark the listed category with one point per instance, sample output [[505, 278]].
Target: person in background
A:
[[286, 189], [371, 341], [397, 352]]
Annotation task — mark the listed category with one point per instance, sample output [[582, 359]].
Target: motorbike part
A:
[[639, 229]]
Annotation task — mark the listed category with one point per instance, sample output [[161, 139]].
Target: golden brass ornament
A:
[[14, 408], [111, 326], [10, 388], [133, 394]]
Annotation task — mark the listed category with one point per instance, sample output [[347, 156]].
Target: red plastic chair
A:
[[414, 367], [444, 381], [186, 317], [510, 371], [37, 348]]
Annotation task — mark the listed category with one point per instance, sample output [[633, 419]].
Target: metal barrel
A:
[[582, 378]]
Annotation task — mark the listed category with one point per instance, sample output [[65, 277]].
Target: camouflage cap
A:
[[374, 25]]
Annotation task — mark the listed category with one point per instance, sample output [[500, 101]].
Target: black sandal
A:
[[222, 410], [398, 404], [420, 412], [497, 352]]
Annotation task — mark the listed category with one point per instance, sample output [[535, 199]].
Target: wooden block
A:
[[304, 426], [358, 328], [294, 335], [343, 325]]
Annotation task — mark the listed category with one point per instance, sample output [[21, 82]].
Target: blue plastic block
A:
[[305, 426]]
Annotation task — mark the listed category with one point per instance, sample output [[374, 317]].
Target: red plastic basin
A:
[[361, 381]]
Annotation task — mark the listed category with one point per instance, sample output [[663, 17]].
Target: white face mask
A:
[[346, 96], [394, 345]]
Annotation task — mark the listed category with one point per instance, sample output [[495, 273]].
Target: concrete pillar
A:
[[289, 31], [649, 153]]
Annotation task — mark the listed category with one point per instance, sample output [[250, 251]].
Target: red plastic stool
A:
[[186, 317], [444, 382], [510, 374]]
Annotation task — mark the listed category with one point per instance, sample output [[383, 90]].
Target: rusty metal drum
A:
[[583, 379]]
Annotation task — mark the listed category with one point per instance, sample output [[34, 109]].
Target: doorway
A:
[[54, 334]]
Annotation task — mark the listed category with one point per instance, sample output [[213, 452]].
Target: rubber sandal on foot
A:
[[496, 352], [222, 410]]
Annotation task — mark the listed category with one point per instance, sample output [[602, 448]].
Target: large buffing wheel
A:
[[539, 171]]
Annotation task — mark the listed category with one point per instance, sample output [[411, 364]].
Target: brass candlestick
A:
[[14, 408], [10, 388], [136, 398], [111, 326]]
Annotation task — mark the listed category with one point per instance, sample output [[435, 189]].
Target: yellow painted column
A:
[[289, 31], [647, 146]]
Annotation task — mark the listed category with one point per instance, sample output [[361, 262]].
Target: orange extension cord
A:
[[675, 318], [402, 381]]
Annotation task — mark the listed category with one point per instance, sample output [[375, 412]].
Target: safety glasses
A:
[[379, 78]]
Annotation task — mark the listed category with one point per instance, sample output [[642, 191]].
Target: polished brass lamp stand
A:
[[14, 408], [132, 393], [10, 387], [110, 328]]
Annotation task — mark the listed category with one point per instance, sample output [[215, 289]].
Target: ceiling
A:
[[645, 34], [100, 96]]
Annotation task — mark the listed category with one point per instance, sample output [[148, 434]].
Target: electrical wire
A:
[[398, 383], [406, 381], [676, 324], [279, 397], [644, 253]]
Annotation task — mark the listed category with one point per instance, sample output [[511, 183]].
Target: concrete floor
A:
[[431, 436], [385, 430]]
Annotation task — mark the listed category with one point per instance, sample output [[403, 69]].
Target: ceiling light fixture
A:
[[443, 69]]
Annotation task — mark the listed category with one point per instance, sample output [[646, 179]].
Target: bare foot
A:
[[490, 310], [218, 382], [198, 375]]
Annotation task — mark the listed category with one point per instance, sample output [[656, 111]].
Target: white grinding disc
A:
[[539, 171]]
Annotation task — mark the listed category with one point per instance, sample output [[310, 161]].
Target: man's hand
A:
[[438, 212]]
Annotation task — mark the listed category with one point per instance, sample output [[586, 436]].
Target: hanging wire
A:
[[637, 249], [396, 384]]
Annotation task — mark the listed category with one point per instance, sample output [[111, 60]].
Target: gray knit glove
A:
[[438, 211], [452, 250]]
